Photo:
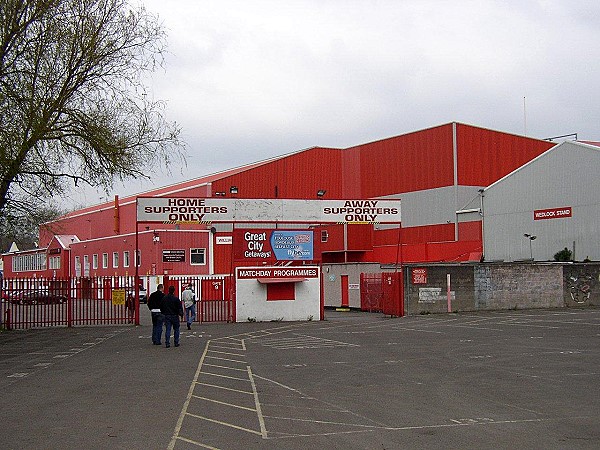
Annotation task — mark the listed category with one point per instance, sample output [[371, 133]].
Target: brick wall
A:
[[502, 286]]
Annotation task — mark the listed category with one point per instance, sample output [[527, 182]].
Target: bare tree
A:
[[74, 105]]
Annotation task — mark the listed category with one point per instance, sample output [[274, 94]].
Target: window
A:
[[197, 256], [115, 259], [281, 291], [86, 261], [139, 258], [126, 258], [23, 263], [324, 236], [54, 262], [78, 262], [95, 261], [105, 260]]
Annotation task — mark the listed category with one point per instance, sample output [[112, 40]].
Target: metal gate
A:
[[382, 292], [371, 292], [215, 298], [51, 302]]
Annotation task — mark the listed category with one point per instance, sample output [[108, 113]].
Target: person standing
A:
[[189, 302], [154, 303], [173, 311]]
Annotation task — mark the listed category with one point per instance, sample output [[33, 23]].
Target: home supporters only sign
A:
[[208, 210]]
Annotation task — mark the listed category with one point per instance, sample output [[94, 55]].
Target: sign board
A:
[[173, 255], [553, 213], [419, 276], [278, 272], [118, 296], [273, 245], [224, 240], [208, 210]]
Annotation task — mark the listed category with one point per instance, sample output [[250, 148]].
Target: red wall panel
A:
[[485, 156], [411, 162], [415, 235], [299, 175], [470, 231]]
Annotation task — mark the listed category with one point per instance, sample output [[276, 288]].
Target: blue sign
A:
[[292, 245]]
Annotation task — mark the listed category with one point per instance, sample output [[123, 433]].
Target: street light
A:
[[321, 193], [531, 237]]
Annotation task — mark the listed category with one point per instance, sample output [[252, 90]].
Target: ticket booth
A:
[[290, 293]]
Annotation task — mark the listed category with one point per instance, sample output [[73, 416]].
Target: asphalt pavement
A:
[[511, 379]]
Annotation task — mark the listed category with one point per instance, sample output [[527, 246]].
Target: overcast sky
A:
[[248, 80]]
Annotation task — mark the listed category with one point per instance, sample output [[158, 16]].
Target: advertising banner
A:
[[208, 210], [273, 245]]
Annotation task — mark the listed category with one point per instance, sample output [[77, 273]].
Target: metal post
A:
[[137, 272]]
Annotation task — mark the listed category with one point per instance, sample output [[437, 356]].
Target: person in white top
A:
[[189, 301]]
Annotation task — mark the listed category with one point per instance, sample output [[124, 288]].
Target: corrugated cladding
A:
[[299, 175], [485, 156], [411, 162]]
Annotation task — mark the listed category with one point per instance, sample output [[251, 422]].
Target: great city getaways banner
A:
[[273, 245], [208, 210]]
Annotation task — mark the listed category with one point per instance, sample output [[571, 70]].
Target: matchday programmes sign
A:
[[244, 273], [208, 210]]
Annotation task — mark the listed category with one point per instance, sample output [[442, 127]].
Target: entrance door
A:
[[345, 291]]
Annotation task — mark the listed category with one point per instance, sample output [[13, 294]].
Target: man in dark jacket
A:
[[173, 311], [154, 302]]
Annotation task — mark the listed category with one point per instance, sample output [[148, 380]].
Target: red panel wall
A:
[[485, 156], [223, 256], [431, 252], [415, 235], [412, 162], [299, 175], [470, 231]]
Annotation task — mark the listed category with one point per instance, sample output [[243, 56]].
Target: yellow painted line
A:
[[186, 404], [226, 353], [261, 419], [224, 424], [225, 403], [225, 367], [224, 376], [226, 359], [224, 388], [199, 444]]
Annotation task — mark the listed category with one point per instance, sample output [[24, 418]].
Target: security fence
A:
[[48, 302]]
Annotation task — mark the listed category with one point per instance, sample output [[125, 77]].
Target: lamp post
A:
[[531, 237]]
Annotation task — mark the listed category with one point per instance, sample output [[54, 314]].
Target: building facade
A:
[[546, 205], [437, 173]]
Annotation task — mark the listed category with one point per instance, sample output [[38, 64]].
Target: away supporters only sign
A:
[[208, 210]]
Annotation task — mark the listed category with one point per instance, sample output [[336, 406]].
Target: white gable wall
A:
[[567, 175]]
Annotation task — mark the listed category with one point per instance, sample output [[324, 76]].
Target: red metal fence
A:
[[47, 302], [214, 293], [382, 292], [371, 292]]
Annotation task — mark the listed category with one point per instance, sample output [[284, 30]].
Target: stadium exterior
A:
[[447, 177]]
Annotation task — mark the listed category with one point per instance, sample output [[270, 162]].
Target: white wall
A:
[[564, 176], [251, 301]]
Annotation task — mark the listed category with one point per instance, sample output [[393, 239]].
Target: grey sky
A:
[[248, 80]]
